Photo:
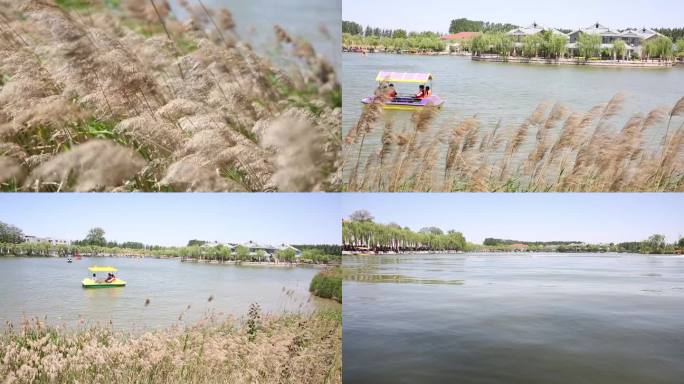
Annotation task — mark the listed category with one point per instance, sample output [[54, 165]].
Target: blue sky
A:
[[173, 219], [522, 216], [435, 15]]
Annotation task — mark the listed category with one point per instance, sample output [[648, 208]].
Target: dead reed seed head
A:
[[92, 166]]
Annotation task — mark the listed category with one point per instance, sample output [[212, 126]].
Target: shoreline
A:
[[188, 260], [575, 61], [372, 253], [539, 61]]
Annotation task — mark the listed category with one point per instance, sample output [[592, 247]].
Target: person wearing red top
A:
[[421, 92], [391, 93]]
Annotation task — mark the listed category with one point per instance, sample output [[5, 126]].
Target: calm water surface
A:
[[51, 287], [509, 92], [319, 22], [504, 318]]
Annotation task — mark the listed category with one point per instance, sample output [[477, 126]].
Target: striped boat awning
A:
[[403, 77]]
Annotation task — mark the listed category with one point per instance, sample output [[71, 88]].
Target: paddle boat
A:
[[95, 282], [406, 101]]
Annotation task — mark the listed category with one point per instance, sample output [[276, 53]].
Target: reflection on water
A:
[[532, 318], [158, 292]]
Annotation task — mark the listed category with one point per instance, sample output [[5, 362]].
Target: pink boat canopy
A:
[[403, 77]]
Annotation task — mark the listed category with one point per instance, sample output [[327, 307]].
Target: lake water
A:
[[514, 318], [507, 91], [38, 287], [319, 22]]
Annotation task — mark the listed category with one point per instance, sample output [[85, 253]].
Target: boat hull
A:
[[90, 283], [407, 105]]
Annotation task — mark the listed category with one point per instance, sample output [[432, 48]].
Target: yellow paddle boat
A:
[[405, 102], [110, 281]]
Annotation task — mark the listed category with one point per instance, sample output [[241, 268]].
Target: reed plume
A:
[[571, 151], [191, 100]]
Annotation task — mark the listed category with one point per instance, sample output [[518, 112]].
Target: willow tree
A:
[[619, 49], [502, 44], [392, 237], [589, 45], [660, 47], [556, 46], [532, 45], [679, 48]]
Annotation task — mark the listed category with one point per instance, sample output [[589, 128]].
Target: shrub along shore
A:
[[287, 348], [328, 284]]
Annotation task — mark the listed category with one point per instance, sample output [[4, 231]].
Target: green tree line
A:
[[95, 244], [673, 33], [465, 25], [355, 35], [655, 244], [362, 233], [428, 42], [491, 241]]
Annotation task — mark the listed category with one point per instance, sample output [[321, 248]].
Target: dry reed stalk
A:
[[158, 95], [587, 154]]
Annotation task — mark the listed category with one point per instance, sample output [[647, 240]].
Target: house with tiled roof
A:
[[456, 42]]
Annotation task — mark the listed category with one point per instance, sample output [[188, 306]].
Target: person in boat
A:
[[428, 92], [421, 92], [391, 92], [110, 278]]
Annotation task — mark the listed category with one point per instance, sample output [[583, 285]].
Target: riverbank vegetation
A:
[[361, 234], [655, 244], [553, 150], [261, 348], [95, 244], [104, 95], [328, 284], [354, 36]]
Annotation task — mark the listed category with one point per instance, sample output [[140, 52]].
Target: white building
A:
[[48, 240], [519, 34], [634, 38]]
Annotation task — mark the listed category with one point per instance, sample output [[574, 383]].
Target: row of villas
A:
[[254, 248], [45, 240], [634, 38]]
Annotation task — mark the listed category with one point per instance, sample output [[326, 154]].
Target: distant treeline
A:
[[655, 244], [355, 29], [490, 241], [673, 33], [465, 25]]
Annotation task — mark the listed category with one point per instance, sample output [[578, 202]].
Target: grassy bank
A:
[[261, 349], [104, 95], [554, 150], [328, 284]]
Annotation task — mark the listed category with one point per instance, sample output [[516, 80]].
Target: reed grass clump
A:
[[553, 150], [328, 284], [191, 105], [287, 348]]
